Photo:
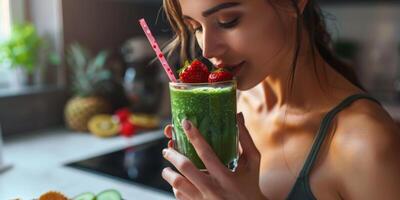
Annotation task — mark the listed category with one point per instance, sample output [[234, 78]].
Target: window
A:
[[5, 26], [4, 18]]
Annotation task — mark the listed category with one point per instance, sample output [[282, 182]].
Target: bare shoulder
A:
[[366, 148], [365, 126]]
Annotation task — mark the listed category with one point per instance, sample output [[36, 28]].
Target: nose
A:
[[213, 46]]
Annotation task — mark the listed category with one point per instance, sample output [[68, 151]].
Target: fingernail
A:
[[166, 127], [186, 125], [163, 172], [164, 152]]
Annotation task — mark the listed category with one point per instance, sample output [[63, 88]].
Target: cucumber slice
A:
[[109, 195], [85, 196]]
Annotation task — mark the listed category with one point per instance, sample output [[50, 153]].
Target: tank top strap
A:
[[323, 130]]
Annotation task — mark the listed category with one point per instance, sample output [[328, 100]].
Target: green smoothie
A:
[[212, 109]]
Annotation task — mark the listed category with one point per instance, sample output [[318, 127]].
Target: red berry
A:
[[123, 114], [219, 66], [196, 72], [127, 129], [219, 75]]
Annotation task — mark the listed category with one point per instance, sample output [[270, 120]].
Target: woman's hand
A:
[[219, 182]]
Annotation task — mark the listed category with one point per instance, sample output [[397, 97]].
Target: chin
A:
[[247, 82], [244, 85]]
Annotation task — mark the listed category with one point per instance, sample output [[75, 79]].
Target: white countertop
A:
[[38, 160]]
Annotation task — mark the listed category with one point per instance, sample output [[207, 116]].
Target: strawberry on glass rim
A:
[[220, 75], [197, 72]]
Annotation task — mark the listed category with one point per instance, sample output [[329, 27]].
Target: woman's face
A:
[[248, 36]]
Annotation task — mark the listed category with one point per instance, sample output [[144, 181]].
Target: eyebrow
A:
[[215, 9], [219, 7]]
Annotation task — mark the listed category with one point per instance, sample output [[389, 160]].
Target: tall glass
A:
[[211, 107]]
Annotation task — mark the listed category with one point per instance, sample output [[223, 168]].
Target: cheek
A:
[[267, 38], [262, 44], [259, 40]]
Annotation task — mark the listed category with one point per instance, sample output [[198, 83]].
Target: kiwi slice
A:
[[109, 195], [103, 125], [85, 196]]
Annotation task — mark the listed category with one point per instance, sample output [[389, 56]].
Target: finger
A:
[[204, 151], [249, 149], [168, 131], [187, 168], [179, 195], [182, 187]]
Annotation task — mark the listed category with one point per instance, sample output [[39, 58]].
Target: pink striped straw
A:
[[157, 49]]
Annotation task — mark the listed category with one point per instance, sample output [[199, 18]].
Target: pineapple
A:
[[86, 73]]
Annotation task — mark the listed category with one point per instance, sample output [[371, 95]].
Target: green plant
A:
[[87, 71], [21, 50]]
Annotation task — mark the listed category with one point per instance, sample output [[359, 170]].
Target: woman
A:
[[316, 133]]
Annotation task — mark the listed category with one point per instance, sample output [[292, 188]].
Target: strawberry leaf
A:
[[185, 65], [207, 63]]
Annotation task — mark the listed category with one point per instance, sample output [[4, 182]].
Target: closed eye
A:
[[229, 24], [226, 25]]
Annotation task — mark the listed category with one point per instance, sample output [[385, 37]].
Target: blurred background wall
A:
[[372, 31]]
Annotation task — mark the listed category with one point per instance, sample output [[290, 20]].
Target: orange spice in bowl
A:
[[52, 195]]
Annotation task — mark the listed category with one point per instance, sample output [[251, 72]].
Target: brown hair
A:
[[181, 40], [312, 18], [314, 22]]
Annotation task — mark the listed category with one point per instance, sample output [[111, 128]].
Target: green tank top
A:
[[301, 189]]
